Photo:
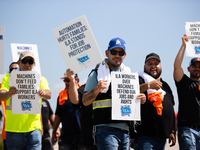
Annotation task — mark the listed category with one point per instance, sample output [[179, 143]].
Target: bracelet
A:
[[148, 85]]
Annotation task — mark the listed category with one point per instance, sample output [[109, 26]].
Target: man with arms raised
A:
[[188, 89]]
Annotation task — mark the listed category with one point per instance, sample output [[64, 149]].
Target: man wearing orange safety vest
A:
[[69, 115]]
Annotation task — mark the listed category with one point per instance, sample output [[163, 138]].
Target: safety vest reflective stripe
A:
[[9, 107], [102, 103]]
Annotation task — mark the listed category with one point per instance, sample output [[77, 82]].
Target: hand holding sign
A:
[[185, 39], [41, 92], [12, 91], [142, 98], [102, 84], [70, 74]]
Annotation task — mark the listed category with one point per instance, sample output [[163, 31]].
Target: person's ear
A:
[[106, 52], [188, 68]]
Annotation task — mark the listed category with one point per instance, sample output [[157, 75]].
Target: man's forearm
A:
[[4, 95], [89, 97], [179, 58], [56, 123], [73, 93], [143, 87], [178, 70], [51, 119]]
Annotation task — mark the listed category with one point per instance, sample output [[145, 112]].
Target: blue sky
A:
[[146, 26]]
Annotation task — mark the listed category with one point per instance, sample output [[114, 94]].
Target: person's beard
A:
[[194, 75], [154, 76], [115, 65], [111, 62]]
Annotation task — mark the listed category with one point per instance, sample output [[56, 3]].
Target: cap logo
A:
[[118, 42], [197, 59]]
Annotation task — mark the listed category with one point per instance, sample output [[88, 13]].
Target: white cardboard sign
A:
[[77, 44], [192, 29], [2, 46], [27, 100], [125, 88], [18, 48]]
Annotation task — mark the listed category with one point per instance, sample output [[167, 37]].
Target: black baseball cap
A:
[[193, 60], [152, 55]]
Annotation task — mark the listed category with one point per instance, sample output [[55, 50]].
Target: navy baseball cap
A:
[[193, 60], [117, 42]]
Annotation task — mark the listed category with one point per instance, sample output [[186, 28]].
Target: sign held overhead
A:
[[77, 44]]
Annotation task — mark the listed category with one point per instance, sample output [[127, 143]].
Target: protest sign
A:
[[77, 44], [192, 29], [2, 46], [125, 88], [18, 48], [27, 100]]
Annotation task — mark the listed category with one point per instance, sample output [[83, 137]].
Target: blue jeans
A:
[[109, 138], [24, 141], [150, 143], [188, 138], [71, 142]]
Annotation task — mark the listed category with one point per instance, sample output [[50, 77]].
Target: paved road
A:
[[176, 147], [55, 146]]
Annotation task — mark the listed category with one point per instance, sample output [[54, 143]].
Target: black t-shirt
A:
[[189, 101], [70, 118], [153, 124], [86, 120], [46, 112]]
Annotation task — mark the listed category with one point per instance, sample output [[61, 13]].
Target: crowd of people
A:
[[83, 115]]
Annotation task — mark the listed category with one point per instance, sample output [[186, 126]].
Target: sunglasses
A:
[[12, 69], [66, 80], [114, 52], [30, 61]]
